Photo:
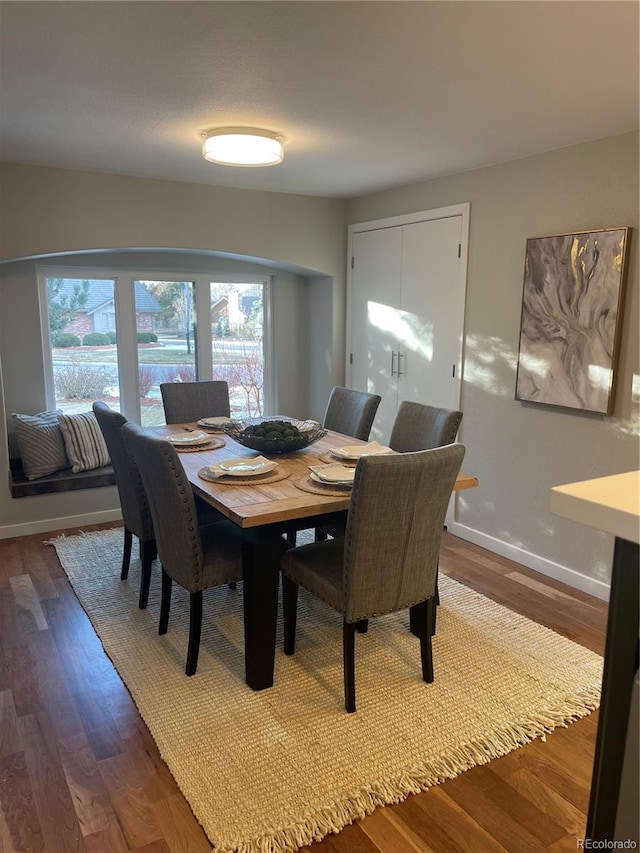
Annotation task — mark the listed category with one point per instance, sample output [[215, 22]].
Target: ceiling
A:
[[368, 95]]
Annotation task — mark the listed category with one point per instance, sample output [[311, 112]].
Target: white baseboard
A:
[[594, 587], [47, 524]]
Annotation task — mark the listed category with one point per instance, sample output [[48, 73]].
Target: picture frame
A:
[[572, 305]]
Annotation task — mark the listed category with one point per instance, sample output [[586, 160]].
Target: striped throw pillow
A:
[[84, 442], [40, 443]]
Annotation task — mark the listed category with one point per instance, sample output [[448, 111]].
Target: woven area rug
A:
[[275, 770]]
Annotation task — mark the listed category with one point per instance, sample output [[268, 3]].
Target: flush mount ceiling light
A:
[[242, 146]]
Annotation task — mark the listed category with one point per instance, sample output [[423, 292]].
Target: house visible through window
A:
[[237, 319], [82, 333], [118, 338]]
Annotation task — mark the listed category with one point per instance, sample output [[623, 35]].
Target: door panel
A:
[[432, 301], [407, 315], [375, 306]]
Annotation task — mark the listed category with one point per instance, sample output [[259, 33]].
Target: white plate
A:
[[336, 474], [181, 438], [317, 479], [356, 451], [212, 422], [245, 467]]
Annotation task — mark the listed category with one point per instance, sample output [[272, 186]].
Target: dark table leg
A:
[[261, 571], [620, 667], [262, 548]]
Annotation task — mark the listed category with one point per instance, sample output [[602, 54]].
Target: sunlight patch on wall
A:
[[490, 364]]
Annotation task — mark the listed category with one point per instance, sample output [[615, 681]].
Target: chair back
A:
[[189, 401], [351, 412], [394, 527], [421, 427], [136, 513], [172, 504]]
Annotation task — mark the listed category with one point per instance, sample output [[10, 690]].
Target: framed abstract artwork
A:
[[571, 319]]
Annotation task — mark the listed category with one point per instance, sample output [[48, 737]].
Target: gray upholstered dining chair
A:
[[195, 557], [387, 560], [136, 514], [189, 401], [351, 412], [421, 427], [416, 427]]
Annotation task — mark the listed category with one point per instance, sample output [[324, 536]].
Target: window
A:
[[115, 337], [83, 358], [166, 341], [107, 320], [237, 346]]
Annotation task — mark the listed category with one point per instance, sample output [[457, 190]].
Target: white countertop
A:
[[610, 503]]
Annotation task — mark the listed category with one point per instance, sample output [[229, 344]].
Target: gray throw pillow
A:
[[40, 443], [84, 442]]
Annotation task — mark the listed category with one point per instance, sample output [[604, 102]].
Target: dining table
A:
[[265, 512]]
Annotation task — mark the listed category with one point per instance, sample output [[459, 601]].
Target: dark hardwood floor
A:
[[79, 770]]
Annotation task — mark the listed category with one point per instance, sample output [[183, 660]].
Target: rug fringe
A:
[[82, 533], [385, 792]]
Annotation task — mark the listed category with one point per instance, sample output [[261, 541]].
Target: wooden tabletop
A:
[[258, 504]]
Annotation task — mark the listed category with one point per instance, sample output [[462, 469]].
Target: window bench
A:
[[61, 481]]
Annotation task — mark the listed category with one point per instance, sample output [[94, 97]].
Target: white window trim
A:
[[268, 332], [42, 273], [126, 324]]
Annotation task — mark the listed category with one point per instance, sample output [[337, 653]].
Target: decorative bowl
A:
[[275, 435]]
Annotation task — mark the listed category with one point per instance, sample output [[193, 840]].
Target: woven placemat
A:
[[212, 444], [259, 480], [306, 484]]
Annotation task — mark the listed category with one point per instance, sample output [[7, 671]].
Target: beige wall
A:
[[45, 213], [519, 451]]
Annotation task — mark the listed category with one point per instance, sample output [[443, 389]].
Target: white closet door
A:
[[432, 302], [375, 315]]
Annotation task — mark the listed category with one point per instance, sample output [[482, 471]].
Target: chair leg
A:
[[319, 535], [233, 585], [291, 537], [165, 602], [434, 609], [126, 554], [362, 626], [432, 616], [413, 625], [349, 664], [195, 630], [147, 550], [423, 617], [289, 613]]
